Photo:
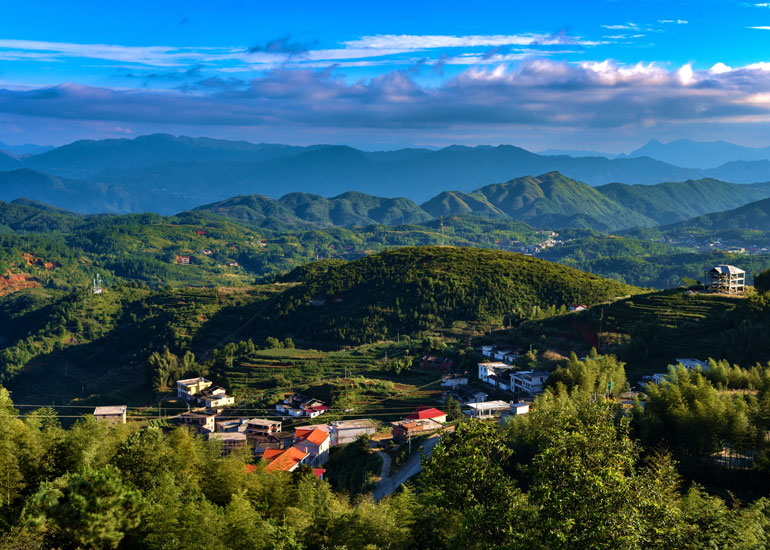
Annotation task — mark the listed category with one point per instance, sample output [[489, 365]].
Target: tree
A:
[[454, 412], [762, 281], [467, 478], [92, 508]]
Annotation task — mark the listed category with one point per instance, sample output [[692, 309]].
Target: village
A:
[[293, 433]]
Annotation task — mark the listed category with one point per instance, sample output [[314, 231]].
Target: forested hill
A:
[[345, 210], [548, 201], [671, 202], [555, 201], [754, 216], [409, 290]]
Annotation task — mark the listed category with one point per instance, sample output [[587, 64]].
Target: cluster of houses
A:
[[203, 392], [502, 375], [298, 405]]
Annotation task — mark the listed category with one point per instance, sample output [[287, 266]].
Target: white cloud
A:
[[765, 28], [677, 21], [428, 42]]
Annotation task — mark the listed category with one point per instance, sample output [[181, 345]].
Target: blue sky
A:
[[607, 75]]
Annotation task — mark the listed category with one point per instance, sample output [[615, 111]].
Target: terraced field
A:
[[648, 331], [355, 383]]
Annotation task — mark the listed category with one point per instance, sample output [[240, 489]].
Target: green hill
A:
[[346, 210], [675, 201], [554, 201], [754, 216], [456, 203], [412, 290]]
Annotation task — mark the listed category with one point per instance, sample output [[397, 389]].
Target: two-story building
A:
[[189, 388], [530, 382], [315, 442]]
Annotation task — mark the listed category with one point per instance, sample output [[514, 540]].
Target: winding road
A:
[[411, 467]]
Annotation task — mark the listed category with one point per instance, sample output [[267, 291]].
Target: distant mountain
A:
[[753, 216], [26, 149], [700, 154], [675, 201], [74, 195], [9, 162], [87, 157], [417, 174], [576, 153], [743, 171]]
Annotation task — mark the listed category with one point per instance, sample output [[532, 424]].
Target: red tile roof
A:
[[425, 412], [286, 461], [316, 437]]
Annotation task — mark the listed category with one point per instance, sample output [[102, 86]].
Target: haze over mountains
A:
[[167, 174]]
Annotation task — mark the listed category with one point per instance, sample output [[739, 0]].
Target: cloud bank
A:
[[542, 93]]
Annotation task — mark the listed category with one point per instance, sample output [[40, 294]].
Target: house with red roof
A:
[[286, 460], [428, 413], [315, 442]]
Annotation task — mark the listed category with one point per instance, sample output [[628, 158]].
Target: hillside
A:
[[671, 202], [411, 290], [456, 203]]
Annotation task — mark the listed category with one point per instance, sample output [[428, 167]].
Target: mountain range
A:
[[166, 174], [549, 201]]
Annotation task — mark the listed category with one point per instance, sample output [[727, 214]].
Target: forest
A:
[[582, 470]]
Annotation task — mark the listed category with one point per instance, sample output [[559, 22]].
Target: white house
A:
[[488, 369], [529, 381], [487, 351]]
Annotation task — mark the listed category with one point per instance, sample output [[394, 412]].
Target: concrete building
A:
[[115, 414], [347, 431], [725, 279], [529, 381]]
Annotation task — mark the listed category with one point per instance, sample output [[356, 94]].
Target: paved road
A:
[[408, 469], [385, 473]]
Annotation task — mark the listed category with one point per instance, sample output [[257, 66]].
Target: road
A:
[[411, 467], [385, 472]]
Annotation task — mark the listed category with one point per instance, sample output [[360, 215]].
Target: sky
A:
[[604, 75]]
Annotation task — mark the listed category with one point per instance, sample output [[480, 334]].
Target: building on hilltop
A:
[[725, 279]]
